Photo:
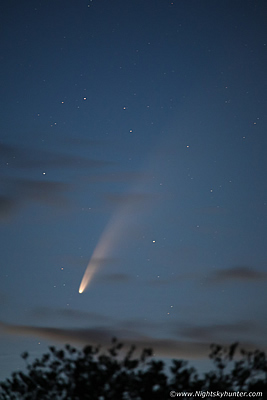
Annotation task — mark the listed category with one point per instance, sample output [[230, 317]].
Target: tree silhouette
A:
[[72, 374]]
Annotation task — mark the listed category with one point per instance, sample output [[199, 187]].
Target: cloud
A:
[[7, 205], [196, 344], [48, 192], [103, 336], [22, 190], [238, 273], [16, 189], [127, 177], [114, 278], [21, 158], [68, 314], [164, 347], [160, 281], [217, 331], [8, 151]]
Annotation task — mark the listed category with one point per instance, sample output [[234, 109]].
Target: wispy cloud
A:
[[8, 204], [117, 176], [163, 347], [70, 314], [18, 180], [238, 273], [22, 190], [114, 278], [28, 158], [103, 336], [217, 331], [162, 280], [48, 192]]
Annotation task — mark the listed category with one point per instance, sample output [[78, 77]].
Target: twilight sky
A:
[[133, 134]]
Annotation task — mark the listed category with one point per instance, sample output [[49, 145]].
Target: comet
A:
[[106, 242], [113, 231]]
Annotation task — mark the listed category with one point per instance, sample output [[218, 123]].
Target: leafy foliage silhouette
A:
[[89, 374]]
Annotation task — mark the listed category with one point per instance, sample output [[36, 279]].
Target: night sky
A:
[[133, 139]]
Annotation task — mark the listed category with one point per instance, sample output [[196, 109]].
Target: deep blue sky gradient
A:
[[153, 107]]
